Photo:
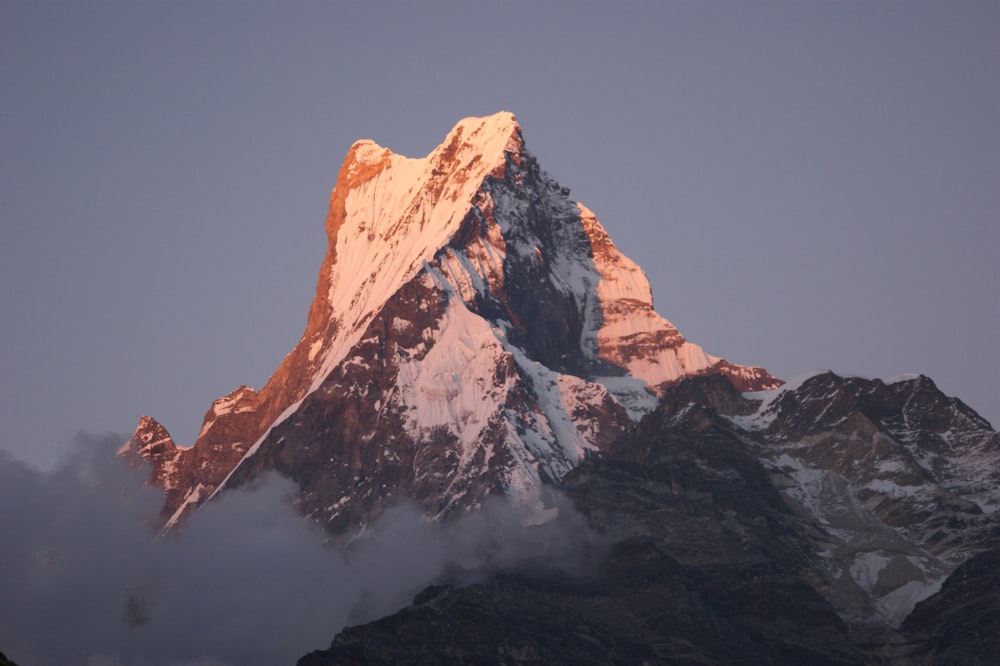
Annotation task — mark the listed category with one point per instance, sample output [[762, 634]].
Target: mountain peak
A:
[[390, 214], [365, 154], [475, 331], [487, 137], [485, 130]]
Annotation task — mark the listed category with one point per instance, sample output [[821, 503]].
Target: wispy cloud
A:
[[84, 578]]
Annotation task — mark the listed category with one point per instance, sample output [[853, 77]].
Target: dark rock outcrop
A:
[[961, 623], [744, 531], [641, 606]]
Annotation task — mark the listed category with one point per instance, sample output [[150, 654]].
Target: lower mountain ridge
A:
[[837, 520]]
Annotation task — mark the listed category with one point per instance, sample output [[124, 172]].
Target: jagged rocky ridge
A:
[[793, 526], [474, 332]]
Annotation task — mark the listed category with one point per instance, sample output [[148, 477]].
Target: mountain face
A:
[[474, 332], [836, 520]]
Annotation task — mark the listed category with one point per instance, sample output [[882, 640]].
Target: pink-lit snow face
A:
[[508, 261], [399, 216]]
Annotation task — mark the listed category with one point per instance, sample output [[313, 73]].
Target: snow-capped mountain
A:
[[474, 331]]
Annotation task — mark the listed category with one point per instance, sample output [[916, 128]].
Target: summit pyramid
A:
[[475, 331]]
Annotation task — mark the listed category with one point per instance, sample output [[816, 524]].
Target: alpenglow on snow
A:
[[475, 331]]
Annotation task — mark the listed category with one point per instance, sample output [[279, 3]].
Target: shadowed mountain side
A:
[[640, 607], [722, 552]]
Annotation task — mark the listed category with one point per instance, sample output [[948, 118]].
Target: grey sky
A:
[[806, 184]]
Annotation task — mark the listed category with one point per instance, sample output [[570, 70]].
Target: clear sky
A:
[[806, 184]]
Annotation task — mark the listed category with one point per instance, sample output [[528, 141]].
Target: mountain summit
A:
[[475, 331]]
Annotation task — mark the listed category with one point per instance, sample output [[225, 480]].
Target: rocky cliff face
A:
[[800, 525], [474, 332], [903, 481]]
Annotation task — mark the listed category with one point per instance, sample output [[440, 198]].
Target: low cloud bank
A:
[[85, 580]]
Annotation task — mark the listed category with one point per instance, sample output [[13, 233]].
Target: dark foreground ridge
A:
[[722, 555], [642, 607]]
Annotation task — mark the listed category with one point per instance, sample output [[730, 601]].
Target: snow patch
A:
[[315, 348], [560, 396], [870, 570], [893, 489], [896, 605], [454, 384], [192, 497], [866, 567], [631, 393], [810, 486]]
